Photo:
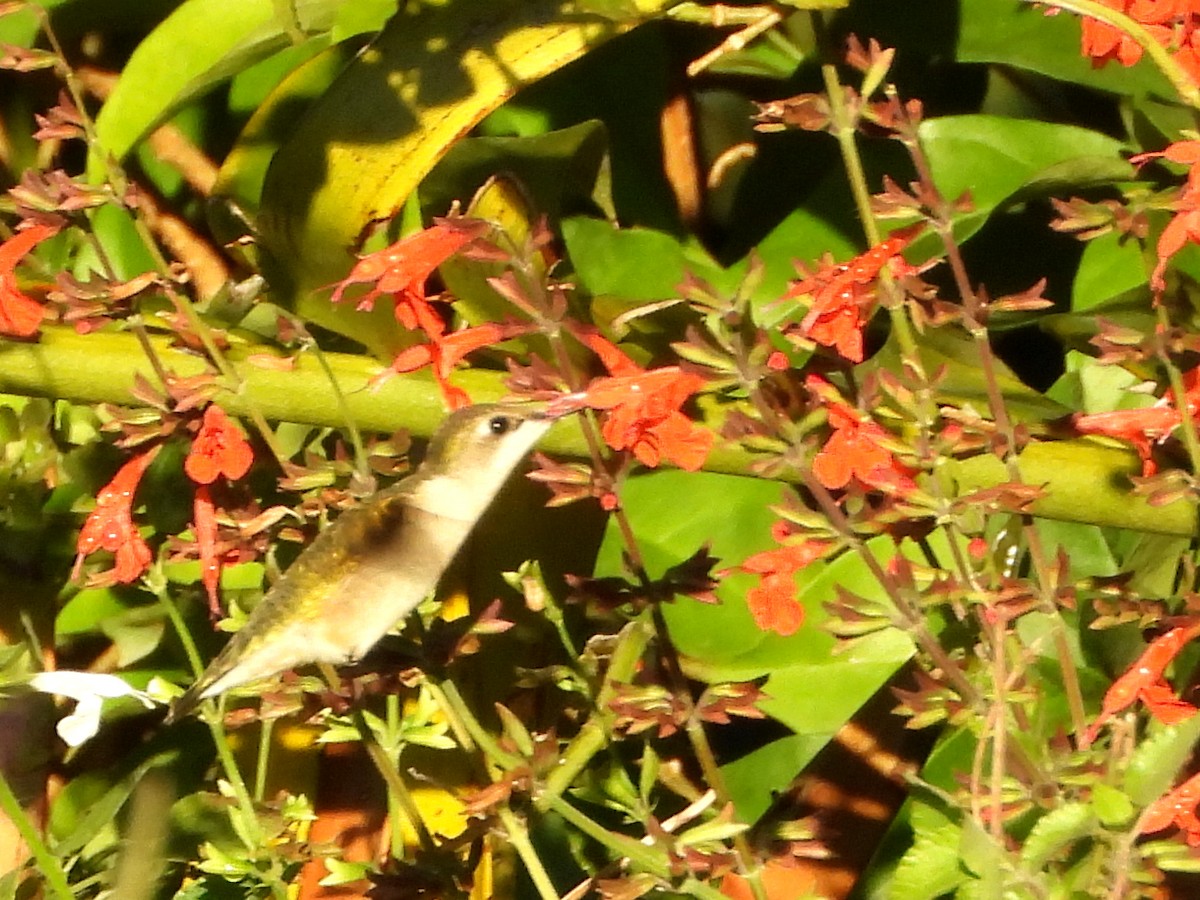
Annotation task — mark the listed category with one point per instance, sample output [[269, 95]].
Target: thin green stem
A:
[[49, 866], [518, 836], [471, 734], [262, 763], [698, 738], [643, 857], [310, 345], [594, 734], [212, 716], [395, 813], [384, 764]]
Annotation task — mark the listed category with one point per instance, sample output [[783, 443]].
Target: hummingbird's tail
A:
[[186, 704]]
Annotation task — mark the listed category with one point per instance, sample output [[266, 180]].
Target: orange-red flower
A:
[[20, 315], [110, 525], [1146, 426], [857, 450], [1184, 227], [644, 408], [220, 448], [1172, 23], [772, 602], [842, 294], [204, 521], [1140, 427], [1103, 43], [403, 268], [1177, 807], [444, 354], [1144, 681]]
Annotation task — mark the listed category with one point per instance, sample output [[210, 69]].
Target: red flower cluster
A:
[[1171, 22], [842, 294], [20, 315], [1184, 227], [1144, 681], [402, 270], [857, 449], [773, 601], [644, 408], [219, 449], [443, 354], [110, 525]]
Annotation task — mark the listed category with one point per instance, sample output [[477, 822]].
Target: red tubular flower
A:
[[110, 525], [1146, 426], [1140, 427], [1177, 807], [444, 354], [220, 448], [403, 268], [644, 408], [1184, 227], [1144, 681], [204, 520], [1104, 43], [772, 602], [20, 315], [842, 294], [856, 450]]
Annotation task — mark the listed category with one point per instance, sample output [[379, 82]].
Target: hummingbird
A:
[[378, 561]]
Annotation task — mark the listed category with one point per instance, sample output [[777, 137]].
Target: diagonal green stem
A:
[[48, 864]]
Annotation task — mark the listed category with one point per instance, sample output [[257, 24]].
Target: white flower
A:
[[89, 690]]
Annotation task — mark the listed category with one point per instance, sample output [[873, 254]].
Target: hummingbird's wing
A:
[[362, 574]]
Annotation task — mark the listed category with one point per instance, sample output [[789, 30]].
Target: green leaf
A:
[[1055, 832], [170, 68], [362, 149], [1113, 808], [1158, 759], [961, 382], [673, 514], [996, 160], [811, 688], [636, 264], [1111, 265], [755, 779], [240, 179], [561, 170], [981, 855], [930, 868]]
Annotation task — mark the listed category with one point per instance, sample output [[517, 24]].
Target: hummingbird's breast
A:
[[405, 553]]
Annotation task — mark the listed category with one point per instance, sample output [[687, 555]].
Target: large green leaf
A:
[[172, 67], [811, 687], [955, 357], [362, 149], [996, 160]]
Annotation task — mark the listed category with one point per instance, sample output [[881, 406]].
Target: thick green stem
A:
[[1084, 481], [595, 731]]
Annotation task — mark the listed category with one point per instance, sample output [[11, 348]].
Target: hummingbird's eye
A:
[[499, 425]]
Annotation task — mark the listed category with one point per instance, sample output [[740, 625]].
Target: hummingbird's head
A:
[[475, 451]]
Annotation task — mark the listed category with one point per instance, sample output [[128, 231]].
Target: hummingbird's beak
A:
[[564, 405]]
